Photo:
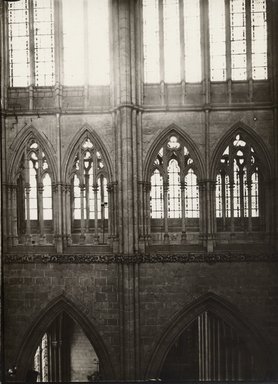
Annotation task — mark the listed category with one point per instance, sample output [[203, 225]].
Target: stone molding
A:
[[189, 257]]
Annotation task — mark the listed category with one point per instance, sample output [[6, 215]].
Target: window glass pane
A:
[[98, 36], [174, 190], [33, 201], [47, 198], [192, 40], [217, 34], [238, 39], [151, 41], [191, 195], [171, 41], [19, 50], [156, 196], [44, 42], [259, 39], [73, 42]]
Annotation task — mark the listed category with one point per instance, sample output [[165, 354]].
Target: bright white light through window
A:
[[19, 48], [217, 34], [151, 41], [157, 195], [238, 39], [73, 37], [174, 190], [192, 41], [259, 39], [44, 42], [98, 35], [171, 41]]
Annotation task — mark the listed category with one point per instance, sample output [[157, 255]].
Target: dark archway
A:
[[33, 336], [220, 309]]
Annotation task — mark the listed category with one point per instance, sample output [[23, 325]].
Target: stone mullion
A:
[[40, 195], [183, 218], [69, 211], [249, 188], [135, 180], [64, 216], [110, 212], [102, 207], [27, 193], [40, 210], [165, 209], [114, 224], [212, 189], [86, 178], [241, 196], [232, 206], [147, 212], [95, 190], [9, 221], [14, 215], [141, 205], [223, 193], [202, 224]]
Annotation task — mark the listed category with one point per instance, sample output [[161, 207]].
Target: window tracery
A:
[[34, 193], [174, 190], [89, 193], [238, 187]]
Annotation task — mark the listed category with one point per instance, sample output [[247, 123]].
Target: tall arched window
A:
[[174, 193], [89, 194], [34, 195], [238, 192]]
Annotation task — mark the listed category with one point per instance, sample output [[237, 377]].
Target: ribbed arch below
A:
[[208, 341], [61, 315]]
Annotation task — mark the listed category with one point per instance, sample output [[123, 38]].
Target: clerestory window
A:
[[172, 48], [172, 35], [34, 195], [86, 42], [174, 193], [84, 53], [31, 43], [238, 188], [238, 39]]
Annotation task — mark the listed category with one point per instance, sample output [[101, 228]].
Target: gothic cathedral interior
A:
[[139, 188]]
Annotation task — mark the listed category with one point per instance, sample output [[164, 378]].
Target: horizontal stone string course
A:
[[189, 257]]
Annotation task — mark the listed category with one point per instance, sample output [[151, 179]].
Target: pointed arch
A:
[[224, 310], [86, 132], [36, 330], [18, 145], [173, 129], [252, 137]]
